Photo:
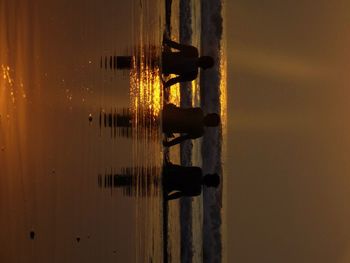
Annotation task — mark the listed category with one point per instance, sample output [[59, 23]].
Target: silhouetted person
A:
[[184, 62], [190, 122], [181, 181]]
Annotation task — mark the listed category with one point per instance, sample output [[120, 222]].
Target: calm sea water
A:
[[54, 155]]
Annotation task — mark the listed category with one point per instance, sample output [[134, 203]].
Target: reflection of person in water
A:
[[180, 181], [184, 62], [190, 122]]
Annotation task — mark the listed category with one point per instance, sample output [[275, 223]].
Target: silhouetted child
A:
[[184, 62], [190, 122], [181, 181]]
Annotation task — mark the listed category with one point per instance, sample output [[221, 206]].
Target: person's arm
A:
[[173, 81], [176, 140], [169, 135], [175, 195], [173, 44], [183, 78], [190, 50]]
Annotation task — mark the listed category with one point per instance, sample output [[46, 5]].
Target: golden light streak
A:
[[9, 82], [174, 94], [6, 74], [146, 103], [145, 89], [223, 115], [223, 91]]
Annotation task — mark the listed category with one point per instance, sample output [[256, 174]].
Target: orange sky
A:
[[288, 131]]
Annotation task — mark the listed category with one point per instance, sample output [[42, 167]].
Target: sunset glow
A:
[[223, 91], [174, 94], [145, 87], [6, 74]]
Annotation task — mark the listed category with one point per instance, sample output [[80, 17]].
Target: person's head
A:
[[205, 62], [212, 120], [211, 180]]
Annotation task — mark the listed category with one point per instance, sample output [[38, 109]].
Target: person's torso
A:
[[187, 180], [179, 120], [179, 64]]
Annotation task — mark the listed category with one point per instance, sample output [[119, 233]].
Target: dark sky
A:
[[288, 161]]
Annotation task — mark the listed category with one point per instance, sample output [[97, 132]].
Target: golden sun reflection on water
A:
[[6, 74], [174, 93], [146, 103], [18, 148], [145, 89], [9, 87]]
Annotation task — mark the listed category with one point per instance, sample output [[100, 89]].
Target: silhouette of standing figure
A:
[[184, 62], [190, 122], [181, 181]]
